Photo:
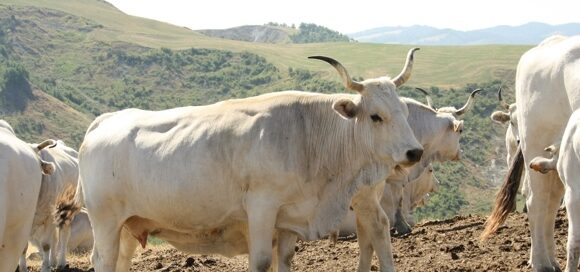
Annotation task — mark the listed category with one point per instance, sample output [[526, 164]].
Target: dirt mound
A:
[[446, 245]]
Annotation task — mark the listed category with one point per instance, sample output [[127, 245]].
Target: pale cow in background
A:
[[231, 177], [439, 131], [416, 193], [547, 92], [512, 141], [43, 235], [397, 207], [81, 237], [21, 172]]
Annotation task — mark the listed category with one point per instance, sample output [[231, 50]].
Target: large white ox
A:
[[44, 235], [229, 177], [21, 171], [547, 92]]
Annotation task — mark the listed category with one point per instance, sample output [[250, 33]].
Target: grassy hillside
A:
[[84, 57], [437, 66]]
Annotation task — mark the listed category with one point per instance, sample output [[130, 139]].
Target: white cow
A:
[[21, 172], [231, 177], [547, 92], [44, 235], [568, 165], [439, 131]]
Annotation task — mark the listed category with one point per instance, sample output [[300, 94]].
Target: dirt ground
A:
[[447, 245]]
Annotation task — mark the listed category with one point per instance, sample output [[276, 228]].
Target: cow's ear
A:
[[46, 167], [458, 126], [500, 117], [345, 107]]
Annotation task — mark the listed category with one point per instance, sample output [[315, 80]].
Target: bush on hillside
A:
[[312, 33]]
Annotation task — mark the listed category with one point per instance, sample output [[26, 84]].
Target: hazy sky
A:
[[352, 16]]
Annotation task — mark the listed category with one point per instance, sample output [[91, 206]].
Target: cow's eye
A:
[[376, 118], [460, 131]]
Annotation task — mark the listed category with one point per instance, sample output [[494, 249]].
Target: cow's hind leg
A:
[[543, 204], [106, 247], [126, 251], [45, 248], [12, 247], [63, 236], [262, 211], [22, 266]]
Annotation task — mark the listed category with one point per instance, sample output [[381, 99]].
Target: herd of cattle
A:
[[253, 175]]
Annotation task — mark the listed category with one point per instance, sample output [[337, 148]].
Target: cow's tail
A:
[[68, 204], [505, 200]]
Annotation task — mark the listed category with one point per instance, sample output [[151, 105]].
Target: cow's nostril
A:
[[414, 155]]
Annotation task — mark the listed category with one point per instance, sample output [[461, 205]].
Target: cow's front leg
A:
[[285, 250], [262, 210], [373, 228]]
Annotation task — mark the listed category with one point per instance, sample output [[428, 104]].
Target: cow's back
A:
[[547, 91]]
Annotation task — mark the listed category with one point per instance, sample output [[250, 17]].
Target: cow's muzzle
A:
[[414, 155]]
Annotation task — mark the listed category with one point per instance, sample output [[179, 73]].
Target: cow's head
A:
[[46, 167], [379, 114], [444, 130], [426, 183], [508, 116]]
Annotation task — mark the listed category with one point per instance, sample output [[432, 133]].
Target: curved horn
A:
[[429, 102], [348, 82], [406, 73], [50, 143], [468, 104], [502, 103]]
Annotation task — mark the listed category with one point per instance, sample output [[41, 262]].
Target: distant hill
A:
[[530, 33], [278, 33]]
